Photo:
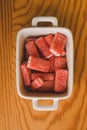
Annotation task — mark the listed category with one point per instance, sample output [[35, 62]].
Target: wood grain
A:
[[17, 113]]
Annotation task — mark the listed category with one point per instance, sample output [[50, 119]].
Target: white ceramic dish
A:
[[35, 31]]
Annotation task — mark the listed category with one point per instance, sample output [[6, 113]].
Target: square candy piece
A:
[[58, 45], [29, 39], [39, 64], [37, 83], [25, 74], [44, 76], [49, 39], [31, 49], [60, 63], [43, 47], [61, 80]]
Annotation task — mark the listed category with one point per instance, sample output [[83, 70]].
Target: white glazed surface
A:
[[34, 32]]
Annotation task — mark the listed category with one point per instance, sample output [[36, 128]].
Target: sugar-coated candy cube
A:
[[49, 39], [31, 49], [25, 73], [43, 47], [60, 63], [58, 45], [39, 64], [61, 80]]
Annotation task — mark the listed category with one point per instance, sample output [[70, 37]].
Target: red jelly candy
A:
[[49, 39], [31, 49], [60, 63], [39, 64], [61, 80], [43, 47], [25, 74], [58, 45]]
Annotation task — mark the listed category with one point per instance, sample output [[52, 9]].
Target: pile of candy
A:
[[44, 67]]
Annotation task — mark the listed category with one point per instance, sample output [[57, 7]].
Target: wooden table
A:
[[17, 113]]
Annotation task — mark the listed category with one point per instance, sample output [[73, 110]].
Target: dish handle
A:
[[52, 107], [51, 19]]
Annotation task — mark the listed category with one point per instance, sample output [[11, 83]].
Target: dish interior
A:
[[35, 32]]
